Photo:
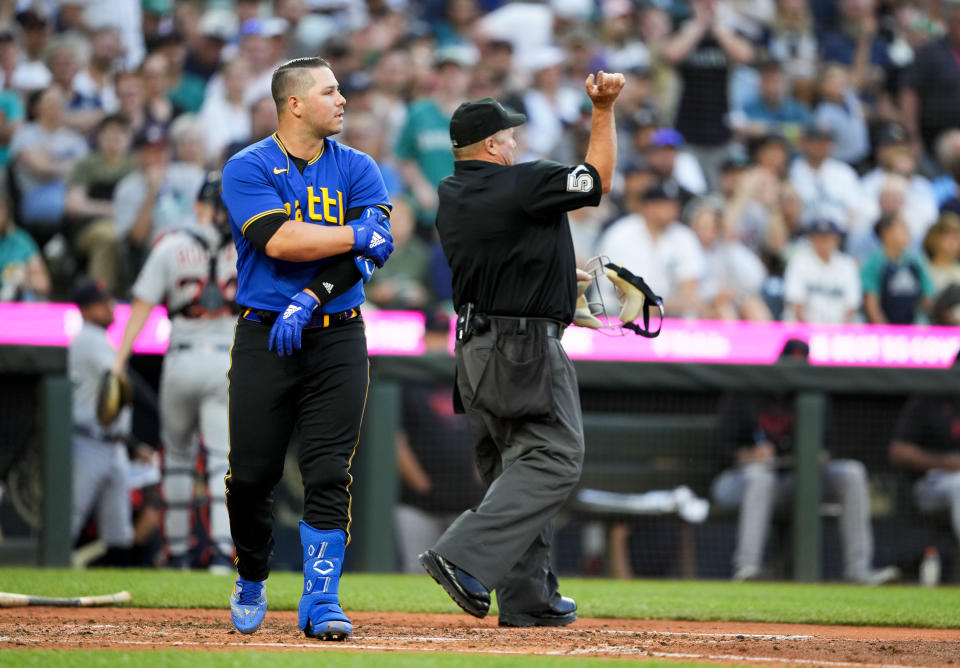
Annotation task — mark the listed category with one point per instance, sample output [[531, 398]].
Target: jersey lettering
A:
[[326, 203], [298, 214]]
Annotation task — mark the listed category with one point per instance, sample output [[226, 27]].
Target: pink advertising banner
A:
[[388, 332], [401, 333]]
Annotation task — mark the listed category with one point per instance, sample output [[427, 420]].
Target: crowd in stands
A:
[[778, 159]]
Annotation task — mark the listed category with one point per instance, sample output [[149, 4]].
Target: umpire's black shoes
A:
[[561, 613], [465, 590]]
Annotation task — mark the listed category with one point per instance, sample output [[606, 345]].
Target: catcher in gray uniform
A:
[[193, 272]]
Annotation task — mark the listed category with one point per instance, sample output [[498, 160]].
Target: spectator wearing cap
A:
[[704, 51], [941, 245], [158, 23], [550, 103], [896, 283], [840, 111], [773, 110], [828, 187], [44, 153], [930, 96], [24, 70], [650, 240], [23, 274], [919, 209], [156, 198], [226, 117], [733, 275], [821, 283], [87, 16], [675, 168], [89, 204], [423, 147]]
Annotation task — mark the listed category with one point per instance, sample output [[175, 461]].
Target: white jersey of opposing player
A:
[[177, 272]]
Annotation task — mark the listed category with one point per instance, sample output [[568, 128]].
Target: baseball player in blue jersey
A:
[[308, 216]]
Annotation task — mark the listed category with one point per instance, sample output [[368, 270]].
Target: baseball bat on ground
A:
[[8, 600]]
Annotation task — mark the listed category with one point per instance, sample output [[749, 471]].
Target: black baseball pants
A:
[[322, 390]]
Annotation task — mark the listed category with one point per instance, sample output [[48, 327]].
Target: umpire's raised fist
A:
[[604, 90]]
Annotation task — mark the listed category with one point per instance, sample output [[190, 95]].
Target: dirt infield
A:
[[716, 642]]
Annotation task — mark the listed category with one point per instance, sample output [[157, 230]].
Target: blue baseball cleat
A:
[[320, 613], [248, 605]]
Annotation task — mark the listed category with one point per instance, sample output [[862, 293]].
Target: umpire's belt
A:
[[317, 320], [517, 325]]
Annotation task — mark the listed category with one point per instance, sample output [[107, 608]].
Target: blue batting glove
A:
[[365, 267], [287, 329], [371, 236]]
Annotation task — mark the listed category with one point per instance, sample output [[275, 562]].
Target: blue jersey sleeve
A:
[[248, 193]]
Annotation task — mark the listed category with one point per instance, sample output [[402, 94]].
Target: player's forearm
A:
[[736, 47], [79, 204], [911, 456], [602, 150], [305, 242], [871, 306], [139, 313]]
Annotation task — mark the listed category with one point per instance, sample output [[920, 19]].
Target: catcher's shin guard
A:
[[320, 613]]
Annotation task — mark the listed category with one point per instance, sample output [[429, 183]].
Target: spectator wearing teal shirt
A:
[[773, 110], [23, 276], [11, 117], [423, 148], [896, 281]]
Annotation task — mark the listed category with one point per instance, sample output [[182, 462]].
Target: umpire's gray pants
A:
[[530, 469], [757, 487]]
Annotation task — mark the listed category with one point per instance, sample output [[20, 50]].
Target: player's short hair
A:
[[293, 78]]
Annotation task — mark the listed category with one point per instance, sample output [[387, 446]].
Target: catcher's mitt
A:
[[116, 391]]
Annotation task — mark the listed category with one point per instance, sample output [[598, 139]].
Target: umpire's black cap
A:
[[478, 119]]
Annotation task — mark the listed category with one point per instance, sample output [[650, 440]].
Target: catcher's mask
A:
[[635, 296]]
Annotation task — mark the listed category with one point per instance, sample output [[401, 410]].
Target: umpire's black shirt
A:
[[505, 234]]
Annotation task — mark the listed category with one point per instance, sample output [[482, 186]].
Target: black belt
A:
[[316, 320], [509, 324]]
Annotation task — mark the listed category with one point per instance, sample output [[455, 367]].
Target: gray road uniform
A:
[[199, 298], [101, 462]]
